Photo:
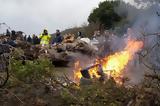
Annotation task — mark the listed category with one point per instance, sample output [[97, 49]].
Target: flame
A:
[[93, 72], [77, 72], [115, 64]]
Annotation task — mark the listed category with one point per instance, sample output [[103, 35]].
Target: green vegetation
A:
[[36, 83], [32, 70], [109, 15], [98, 94], [105, 14]]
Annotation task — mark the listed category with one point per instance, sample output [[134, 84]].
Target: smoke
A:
[[148, 22], [143, 21], [140, 22], [151, 2]]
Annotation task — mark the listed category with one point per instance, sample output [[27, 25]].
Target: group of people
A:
[[45, 38], [33, 40]]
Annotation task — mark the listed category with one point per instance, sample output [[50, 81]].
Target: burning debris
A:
[[112, 65]]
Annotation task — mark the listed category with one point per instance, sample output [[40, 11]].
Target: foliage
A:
[[148, 94], [67, 93], [97, 94], [31, 70], [105, 14], [40, 86]]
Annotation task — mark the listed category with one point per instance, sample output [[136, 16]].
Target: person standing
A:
[[58, 38], [8, 33], [29, 39], [13, 35], [45, 38], [34, 39]]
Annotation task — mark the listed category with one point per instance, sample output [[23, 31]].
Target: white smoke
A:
[[143, 22]]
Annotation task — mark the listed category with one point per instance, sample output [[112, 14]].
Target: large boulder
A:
[[60, 55]]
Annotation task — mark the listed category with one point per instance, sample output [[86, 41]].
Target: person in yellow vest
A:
[[45, 38]]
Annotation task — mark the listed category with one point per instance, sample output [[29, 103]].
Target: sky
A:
[[32, 16]]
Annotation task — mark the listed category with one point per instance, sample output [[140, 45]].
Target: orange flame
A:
[[114, 65], [77, 72], [93, 72]]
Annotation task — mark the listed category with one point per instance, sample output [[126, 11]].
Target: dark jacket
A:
[[58, 39]]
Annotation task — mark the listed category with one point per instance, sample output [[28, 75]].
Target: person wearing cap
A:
[[45, 38]]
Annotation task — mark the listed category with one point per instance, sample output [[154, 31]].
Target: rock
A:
[[22, 44], [60, 55], [63, 54]]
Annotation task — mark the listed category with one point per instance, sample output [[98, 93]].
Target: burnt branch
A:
[[142, 56]]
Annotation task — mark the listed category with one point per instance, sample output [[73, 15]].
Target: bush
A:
[[31, 70], [98, 94]]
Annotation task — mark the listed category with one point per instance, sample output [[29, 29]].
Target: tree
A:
[[105, 14]]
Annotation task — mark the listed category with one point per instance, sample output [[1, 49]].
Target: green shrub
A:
[[31, 70], [97, 94]]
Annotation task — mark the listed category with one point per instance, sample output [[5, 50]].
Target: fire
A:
[[77, 72], [93, 72], [115, 64]]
